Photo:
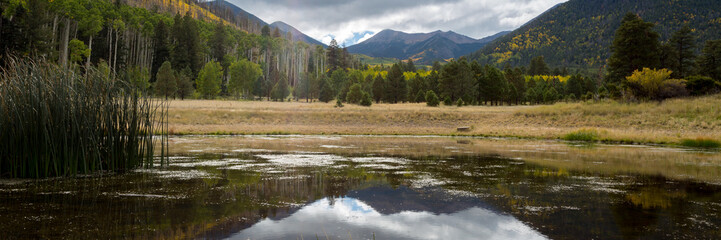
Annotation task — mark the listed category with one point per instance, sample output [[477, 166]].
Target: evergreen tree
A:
[[184, 83], [432, 99], [161, 49], [496, 84], [710, 60], [326, 91], [186, 52], [416, 84], [456, 79], [379, 88], [366, 100], [209, 77], [339, 79], [634, 47], [218, 42], [333, 54], [515, 78], [280, 89], [165, 84], [683, 43], [396, 89], [538, 67], [420, 97], [355, 94], [574, 85], [410, 67]]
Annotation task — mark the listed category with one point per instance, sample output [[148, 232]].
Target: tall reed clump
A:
[[59, 122]]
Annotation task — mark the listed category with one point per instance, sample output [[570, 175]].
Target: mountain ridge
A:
[[282, 26], [424, 48], [297, 34]]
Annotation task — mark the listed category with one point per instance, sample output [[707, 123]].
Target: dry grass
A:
[[667, 122]]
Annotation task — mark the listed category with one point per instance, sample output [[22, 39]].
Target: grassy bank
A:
[[669, 122]]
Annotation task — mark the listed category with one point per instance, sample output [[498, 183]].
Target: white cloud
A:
[[322, 19], [366, 37]]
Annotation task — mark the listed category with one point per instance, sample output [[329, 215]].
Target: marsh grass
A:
[[58, 122], [659, 123], [583, 135], [701, 143]]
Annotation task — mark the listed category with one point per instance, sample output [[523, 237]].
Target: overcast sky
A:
[[352, 21]]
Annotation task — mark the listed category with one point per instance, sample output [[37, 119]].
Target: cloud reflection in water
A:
[[342, 216]]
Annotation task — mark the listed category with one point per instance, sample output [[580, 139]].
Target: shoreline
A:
[[669, 123]]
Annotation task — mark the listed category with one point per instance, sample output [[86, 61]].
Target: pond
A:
[[381, 187]]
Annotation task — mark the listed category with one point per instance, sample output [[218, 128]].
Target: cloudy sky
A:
[[352, 21]]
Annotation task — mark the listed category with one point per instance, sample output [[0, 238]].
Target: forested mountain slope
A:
[[578, 33]]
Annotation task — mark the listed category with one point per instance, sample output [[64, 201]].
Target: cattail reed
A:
[[56, 121]]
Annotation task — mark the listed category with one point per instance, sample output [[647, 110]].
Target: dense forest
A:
[[178, 49], [578, 33]]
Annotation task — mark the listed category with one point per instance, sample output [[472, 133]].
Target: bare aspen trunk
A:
[[90, 50], [63, 60], [115, 51]]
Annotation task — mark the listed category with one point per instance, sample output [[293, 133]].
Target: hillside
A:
[[297, 35], [253, 23], [423, 48], [578, 33]]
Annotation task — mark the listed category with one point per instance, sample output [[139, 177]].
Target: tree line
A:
[[133, 43], [179, 56]]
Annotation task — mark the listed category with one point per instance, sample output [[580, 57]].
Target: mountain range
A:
[[424, 48], [578, 33]]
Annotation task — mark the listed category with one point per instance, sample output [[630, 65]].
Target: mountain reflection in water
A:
[[344, 217]]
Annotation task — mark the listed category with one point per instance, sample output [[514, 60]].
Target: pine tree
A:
[[165, 84], [710, 60], [634, 47], [280, 90], [683, 43], [218, 42], [574, 85], [161, 49], [538, 67], [326, 91], [379, 88], [355, 94], [396, 89], [184, 83]]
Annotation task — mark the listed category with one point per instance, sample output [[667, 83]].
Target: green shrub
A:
[[583, 135], [701, 143], [701, 85], [355, 94], [432, 99], [459, 103], [366, 100]]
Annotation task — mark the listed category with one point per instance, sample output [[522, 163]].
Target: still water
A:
[[357, 187]]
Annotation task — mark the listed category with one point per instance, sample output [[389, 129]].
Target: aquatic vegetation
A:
[[701, 142], [56, 121], [583, 135]]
